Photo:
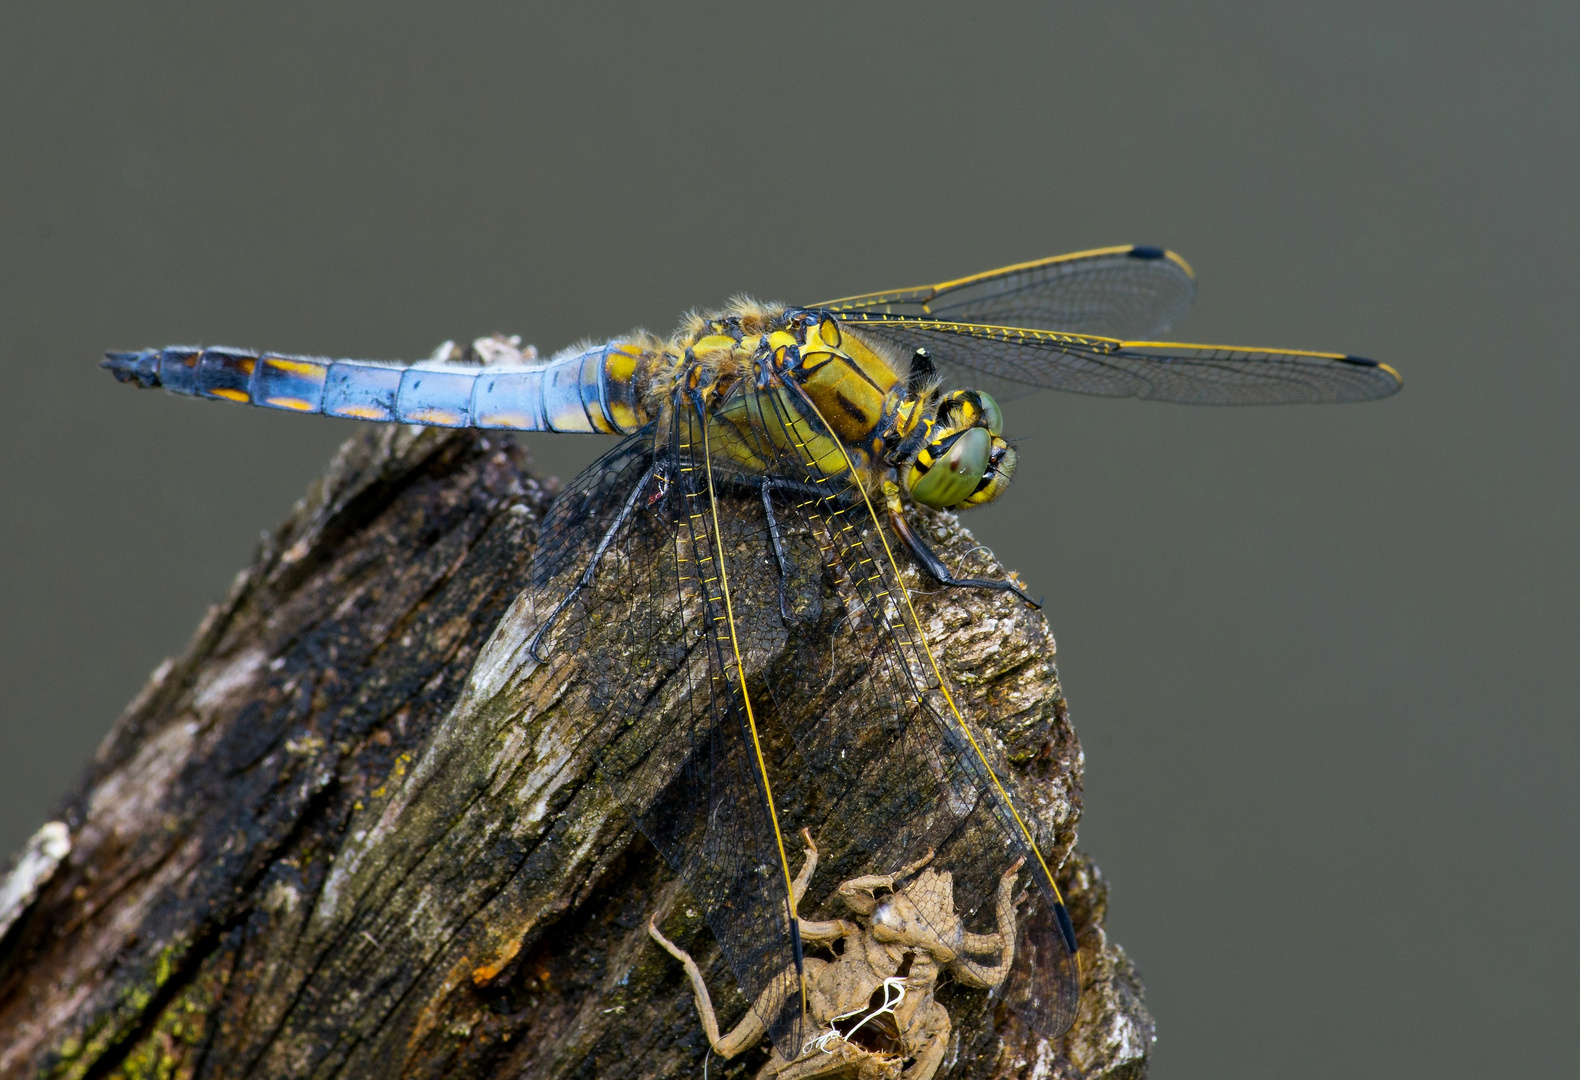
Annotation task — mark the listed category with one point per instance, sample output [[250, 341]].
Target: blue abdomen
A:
[[588, 391]]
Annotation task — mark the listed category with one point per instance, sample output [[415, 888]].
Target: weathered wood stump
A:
[[334, 838]]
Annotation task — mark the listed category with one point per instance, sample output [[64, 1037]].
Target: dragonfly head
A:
[[964, 460]]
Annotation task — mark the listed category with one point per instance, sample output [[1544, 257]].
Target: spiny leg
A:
[[585, 580], [935, 567], [777, 539], [766, 487]]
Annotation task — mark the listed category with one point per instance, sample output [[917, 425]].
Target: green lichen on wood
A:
[[76, 1055], [171, 1049]]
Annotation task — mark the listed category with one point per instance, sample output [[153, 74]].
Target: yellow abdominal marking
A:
[[508, 420], [232, 395], [365, 412], [294, 367], [290, 403]]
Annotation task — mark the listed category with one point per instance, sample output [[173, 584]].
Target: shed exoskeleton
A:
[[871, 1011]]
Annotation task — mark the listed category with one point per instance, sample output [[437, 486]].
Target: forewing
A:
[[1153, 370], [1123, 292], [648, 633], [909, 772], [897, 769]]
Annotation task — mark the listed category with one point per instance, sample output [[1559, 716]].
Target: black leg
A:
[[777, 539], [585, 580], [935, 566]]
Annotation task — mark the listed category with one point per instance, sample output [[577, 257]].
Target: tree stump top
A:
[[347, 834]]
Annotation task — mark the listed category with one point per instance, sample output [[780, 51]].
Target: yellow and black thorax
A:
[[782, 391]]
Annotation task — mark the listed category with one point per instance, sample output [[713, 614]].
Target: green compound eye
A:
[[996, 481], [957, 473], [992, 415]]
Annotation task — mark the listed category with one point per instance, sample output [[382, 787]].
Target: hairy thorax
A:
[[775, 384]]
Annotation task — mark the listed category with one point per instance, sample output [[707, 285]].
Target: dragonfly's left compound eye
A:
[[1001, 466], [961, 470], [945, 474]]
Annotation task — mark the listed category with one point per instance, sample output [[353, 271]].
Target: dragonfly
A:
[[804, 440]]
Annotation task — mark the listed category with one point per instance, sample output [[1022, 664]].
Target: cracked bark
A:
[[334, 838]]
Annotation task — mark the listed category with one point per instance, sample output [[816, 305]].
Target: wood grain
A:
[[349, 833]]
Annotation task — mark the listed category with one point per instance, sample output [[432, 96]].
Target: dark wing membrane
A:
[[1123, 292], [893, 767], [630, 553], [585, 511], [1154, 370]]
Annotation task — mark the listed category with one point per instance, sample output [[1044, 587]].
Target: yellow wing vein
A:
[[924, 294], [746, 699], [1103, 345]]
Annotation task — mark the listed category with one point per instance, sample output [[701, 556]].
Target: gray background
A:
[[1322, 660]]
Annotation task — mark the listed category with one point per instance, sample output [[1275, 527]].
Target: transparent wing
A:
[[1122, 292], [1155, 370], [632, 550], [894, 768]]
